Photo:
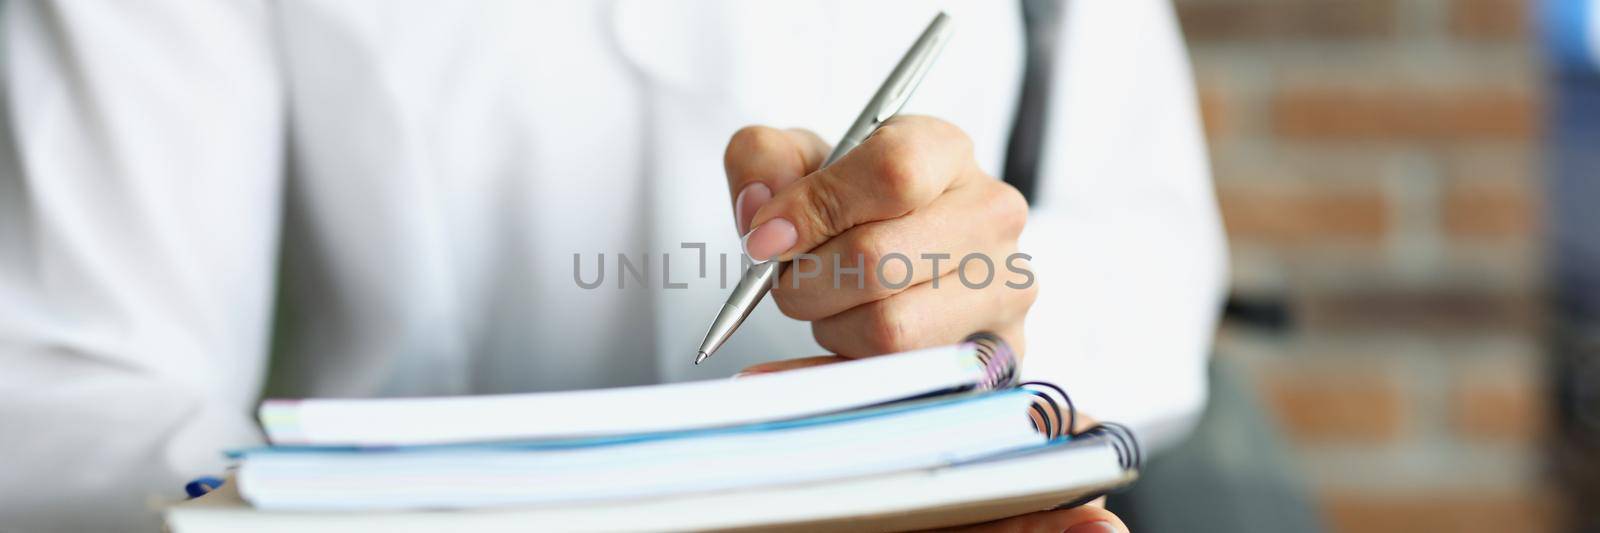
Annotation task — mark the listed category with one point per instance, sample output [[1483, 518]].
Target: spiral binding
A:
[[1129, 454], [1054, 407], [998, 361], [1052, 413], [1056, 413]]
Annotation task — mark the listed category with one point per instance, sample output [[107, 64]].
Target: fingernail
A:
[[748, 202], [770, 239], [1092, 527]]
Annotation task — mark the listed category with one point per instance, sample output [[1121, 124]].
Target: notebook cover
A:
[[223, 510], [966, 494]]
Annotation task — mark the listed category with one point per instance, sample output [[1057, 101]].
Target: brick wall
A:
[[1377, 164]]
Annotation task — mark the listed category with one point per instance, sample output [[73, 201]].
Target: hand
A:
[[1089, 518], [932, 235]]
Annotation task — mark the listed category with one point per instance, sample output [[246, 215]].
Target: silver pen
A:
[[885, 104]]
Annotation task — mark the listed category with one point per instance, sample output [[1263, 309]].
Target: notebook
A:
[[937, 417], [970, 366], [904, 501]]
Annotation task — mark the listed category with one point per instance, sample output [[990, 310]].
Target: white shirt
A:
[[363, 198]]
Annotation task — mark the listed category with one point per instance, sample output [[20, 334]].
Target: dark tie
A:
[[1041, 21]]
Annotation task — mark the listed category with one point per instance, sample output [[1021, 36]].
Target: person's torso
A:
[[451, 160]]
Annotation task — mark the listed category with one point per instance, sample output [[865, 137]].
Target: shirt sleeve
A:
[[1125, 234], [140, 182]]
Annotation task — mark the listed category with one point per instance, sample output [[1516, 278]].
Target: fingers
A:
[[903, 166], [1080, 519], [761, 160], [907, 209], [925, 316], [1083, 422], [880, 259]]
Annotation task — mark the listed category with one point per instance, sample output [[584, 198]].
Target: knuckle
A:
[[863, 251], [809, 146], [750, 140], [951, 135], [934, 131], [962, 141], [871, 247], [885, 330], [824, 207], [891, 274], [868, 248], [1010, 208], [1015, 305], [1028, 296], [899, 173]]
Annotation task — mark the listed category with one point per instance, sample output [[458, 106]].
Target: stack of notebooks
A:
[[936, 437]]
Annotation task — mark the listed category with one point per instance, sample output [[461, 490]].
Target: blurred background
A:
[[1409, 188]]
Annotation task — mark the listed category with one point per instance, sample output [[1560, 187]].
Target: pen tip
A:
[[700, 356]]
